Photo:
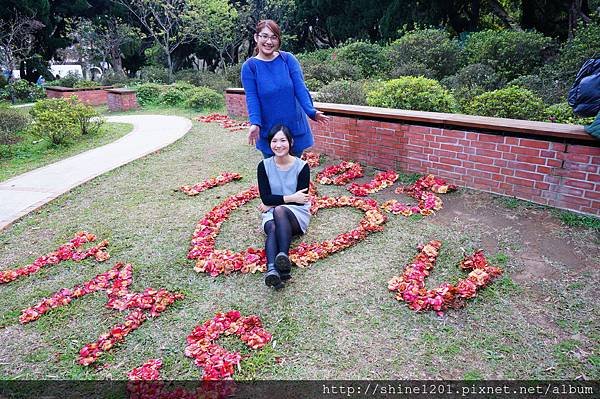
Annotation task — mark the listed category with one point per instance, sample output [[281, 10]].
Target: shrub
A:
[[154, 74], [320, 73], [183, 86], [20, 89], [585, 44], [213, 80], [368, 57], [24, 91], [343, 92], [416, 93], [471, 81], [321, 55], [545, 84], [432, 49], [411, 69], [204, 98], [3, 82], [69, 80], [233, 75], [84, 84], [112, 78], [149, 93], [313, 84], [11, 122], [510, 53], [87, 117], [54, 119], [173, 96], [510, 102], [563, 113]]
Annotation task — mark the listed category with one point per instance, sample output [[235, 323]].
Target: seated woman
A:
[[283, 185]]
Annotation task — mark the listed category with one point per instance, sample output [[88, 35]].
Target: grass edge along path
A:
[[33, 153]]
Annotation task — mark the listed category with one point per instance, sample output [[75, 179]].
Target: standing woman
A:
[[276, 92], [283, 181]]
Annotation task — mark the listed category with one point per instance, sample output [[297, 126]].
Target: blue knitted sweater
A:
[[276, 94]]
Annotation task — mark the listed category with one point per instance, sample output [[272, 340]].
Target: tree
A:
[[556, 18], [99, 41], [216, 23], [17, 39], [164, 20]]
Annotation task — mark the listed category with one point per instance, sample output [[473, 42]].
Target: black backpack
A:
[[584, 95]]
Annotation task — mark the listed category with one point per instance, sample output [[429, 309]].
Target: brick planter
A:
[[547, 163], [89, 96], [121, 100]]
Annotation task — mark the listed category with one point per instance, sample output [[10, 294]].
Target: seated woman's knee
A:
[[280, 211], [269, 227]]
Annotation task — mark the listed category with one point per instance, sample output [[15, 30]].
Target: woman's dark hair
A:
[[286, 132], [273, 27]]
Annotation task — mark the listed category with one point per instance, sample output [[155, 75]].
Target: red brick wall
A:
[[121, 101], [90, 97], [547, 172]]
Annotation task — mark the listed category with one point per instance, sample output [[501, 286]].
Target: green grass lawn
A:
[[335, 320], [31, 152]]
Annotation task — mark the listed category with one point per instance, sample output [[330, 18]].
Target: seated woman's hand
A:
[[300, 197], [263, 208]]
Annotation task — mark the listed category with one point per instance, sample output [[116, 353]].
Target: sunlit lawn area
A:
[[336, 319]]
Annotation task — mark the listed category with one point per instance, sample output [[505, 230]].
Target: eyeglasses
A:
[[264, 37]]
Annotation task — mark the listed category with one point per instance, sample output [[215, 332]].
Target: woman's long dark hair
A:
[[272, 25], [286, 132]]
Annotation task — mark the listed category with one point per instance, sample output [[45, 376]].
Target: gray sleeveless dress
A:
[[283, 182]]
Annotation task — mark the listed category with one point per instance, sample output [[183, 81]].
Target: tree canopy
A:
[[214, 33]]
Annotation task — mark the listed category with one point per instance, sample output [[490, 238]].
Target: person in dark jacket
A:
[[584, 95]]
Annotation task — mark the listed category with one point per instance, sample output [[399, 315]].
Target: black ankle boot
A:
[[282, 263], [272, 278]]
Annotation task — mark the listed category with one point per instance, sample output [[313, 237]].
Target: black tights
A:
[[280, 231]]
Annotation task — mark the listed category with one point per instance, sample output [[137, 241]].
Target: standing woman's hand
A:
[[253, 134], [321, 117]]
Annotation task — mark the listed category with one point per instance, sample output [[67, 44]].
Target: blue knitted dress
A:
[[276, 94]]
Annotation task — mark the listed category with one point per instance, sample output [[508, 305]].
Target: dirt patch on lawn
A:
[[545, 246]]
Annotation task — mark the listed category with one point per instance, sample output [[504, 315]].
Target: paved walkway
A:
[[29, 191]]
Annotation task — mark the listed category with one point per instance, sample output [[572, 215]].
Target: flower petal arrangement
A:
[[423, 190], [340, 174], [225, 121], [149, 371], [214, 262], [62, 253], [144, 383], [216, 362], [115, 282], [306, 253], [410, 286], [313, 159], [379, 182], [220, 180]]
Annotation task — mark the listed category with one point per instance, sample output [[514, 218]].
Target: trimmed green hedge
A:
[[511, 102], [415, 93], [510, 53]]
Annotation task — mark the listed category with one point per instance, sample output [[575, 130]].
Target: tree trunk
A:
[[577, 11], [499, 11], [170, 65]]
